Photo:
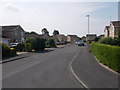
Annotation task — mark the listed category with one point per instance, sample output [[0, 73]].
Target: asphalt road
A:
[[91, 73], [41, 70]]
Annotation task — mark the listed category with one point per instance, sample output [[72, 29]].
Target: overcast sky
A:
[[67, 17]]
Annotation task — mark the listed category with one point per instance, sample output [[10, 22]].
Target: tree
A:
[[33, 32], [44, 31], [55, 32]]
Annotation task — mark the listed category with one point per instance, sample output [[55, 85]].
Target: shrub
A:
[[50, 43], [5, 50], [28, 47], [40, 44], [106, 40], [37, 43], [110, 41], [33, 41], [12, 52], [108, 55], [20, 47]]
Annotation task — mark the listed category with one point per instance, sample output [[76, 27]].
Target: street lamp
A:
[[88, 22], [88, 26]]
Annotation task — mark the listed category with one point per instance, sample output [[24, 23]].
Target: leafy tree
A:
[[33, 32], [55, 32], [44, 31], [26, 32]]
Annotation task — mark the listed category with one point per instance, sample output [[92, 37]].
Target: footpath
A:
[[91, 73]]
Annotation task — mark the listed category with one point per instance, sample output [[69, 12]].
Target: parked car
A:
[[13, 44], [80, 43]]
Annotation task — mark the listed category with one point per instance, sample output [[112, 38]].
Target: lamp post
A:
[[88, 22], [88, 26]]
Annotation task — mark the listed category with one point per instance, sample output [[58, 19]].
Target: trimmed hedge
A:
[[108, 55]]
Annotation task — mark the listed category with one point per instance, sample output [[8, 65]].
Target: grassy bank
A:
[[108, 55]]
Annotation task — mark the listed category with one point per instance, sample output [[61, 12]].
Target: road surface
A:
[[41, 70]]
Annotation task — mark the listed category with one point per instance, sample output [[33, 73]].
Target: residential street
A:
[[51, 70], [41, 70]]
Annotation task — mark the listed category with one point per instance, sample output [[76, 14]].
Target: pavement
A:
[[91, 73]]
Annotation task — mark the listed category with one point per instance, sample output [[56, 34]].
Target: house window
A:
[[22, 33], [15, 33]]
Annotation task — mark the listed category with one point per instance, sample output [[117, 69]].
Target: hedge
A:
[[106, 54]]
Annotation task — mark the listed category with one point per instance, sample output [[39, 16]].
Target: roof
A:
[[72, 35], [106, 28], [10, 28], [91, 35], [116, 23]]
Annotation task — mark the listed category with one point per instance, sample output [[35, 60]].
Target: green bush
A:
[[37, 43], [108, 55], [50, 43], [5, 50], [110, 41], [12, 52], [20, 47], [28, 47], [40, 44]]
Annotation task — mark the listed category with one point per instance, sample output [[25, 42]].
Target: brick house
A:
[[60, 38], [14, 32], [72, 38]]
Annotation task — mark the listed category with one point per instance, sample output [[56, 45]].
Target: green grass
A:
[[108, 55]]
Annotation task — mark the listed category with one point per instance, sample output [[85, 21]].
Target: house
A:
[[5, 40], [91, 37], [102, 35], [72, 38], [14, 32], [28, 35], [60, 38], [83, 38], [106, 30], [114, 28]]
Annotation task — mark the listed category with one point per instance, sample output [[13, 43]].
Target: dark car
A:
[[80, 43]]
